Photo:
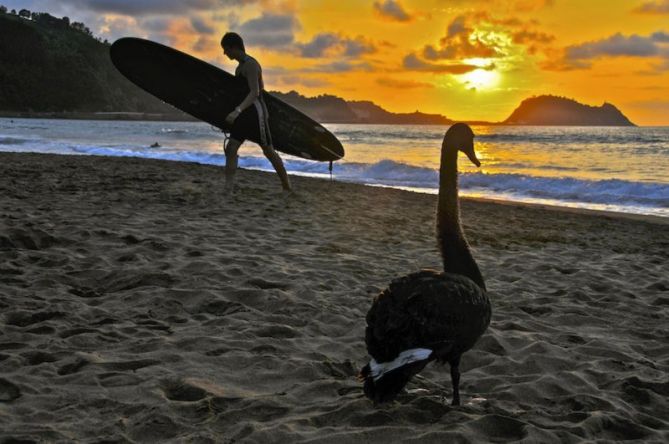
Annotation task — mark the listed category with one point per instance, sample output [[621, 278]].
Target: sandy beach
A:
[[138, 304]]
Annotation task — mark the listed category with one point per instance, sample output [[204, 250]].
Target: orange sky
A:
[[464, 59]]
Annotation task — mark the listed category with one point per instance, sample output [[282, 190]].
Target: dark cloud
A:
[[618, 45], [412, 62], [318, 45], [329, 43], [201, 26], [457, 26], [142, 18], [392, 10], [660, 37], [339, 67], [131, 8], [526, 36], [143, 7], [358, 46], [156, 24], [654, 7], [269, 30]]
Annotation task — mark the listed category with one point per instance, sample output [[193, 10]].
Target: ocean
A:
[[624, 169]]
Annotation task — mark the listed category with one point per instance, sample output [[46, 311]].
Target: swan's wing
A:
[[425, 309]]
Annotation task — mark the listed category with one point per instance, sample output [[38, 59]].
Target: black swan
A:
[[428, 315]]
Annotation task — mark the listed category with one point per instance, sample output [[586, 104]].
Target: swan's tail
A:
[[383, 381]]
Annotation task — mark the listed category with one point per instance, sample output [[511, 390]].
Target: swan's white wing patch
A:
[[378, 369]]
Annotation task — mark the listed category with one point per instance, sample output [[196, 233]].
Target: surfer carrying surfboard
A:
[[249, 118]]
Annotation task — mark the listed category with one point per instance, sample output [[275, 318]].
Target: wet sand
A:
[[139, 304]]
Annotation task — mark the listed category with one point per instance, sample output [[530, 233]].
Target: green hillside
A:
[[50, 65]]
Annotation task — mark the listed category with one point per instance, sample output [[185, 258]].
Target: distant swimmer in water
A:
[[250, 118], [155, 145]]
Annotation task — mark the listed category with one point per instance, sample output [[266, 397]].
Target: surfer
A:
[[249, 118]]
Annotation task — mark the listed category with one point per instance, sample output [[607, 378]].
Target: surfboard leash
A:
[[330, 168], [226, 136]]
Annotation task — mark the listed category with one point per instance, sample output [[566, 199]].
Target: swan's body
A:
[[429, 313]]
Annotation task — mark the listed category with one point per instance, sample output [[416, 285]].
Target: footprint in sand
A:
[[8, 391], [177, 390], [24, 318], [73, 367], [38, 357]]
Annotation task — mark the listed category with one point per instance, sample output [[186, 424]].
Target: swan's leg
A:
[[455, 380]]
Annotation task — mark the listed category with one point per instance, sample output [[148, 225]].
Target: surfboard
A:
[[208, 93]]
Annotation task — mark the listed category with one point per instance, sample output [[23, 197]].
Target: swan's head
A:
[[460, 136]]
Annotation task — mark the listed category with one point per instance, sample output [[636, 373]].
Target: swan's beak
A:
[[472, 156]]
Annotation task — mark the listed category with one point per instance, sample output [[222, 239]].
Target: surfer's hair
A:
[[232, 40]]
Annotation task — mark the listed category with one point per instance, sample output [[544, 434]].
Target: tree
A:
[[79, 26], [24, 13], [3, 9], [13, 12], [66, 20]]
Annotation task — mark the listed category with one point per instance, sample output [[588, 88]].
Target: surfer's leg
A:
[[231, 162], [277, 163]]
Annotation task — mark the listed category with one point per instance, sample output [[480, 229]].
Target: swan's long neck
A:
[[454, 248]]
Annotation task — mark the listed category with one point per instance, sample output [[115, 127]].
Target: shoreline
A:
[[569, 209], [584, 211]]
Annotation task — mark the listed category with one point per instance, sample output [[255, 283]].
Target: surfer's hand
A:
[[232, 117]]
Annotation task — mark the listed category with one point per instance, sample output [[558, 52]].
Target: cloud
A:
[[404, 84], [616, 45], [412, 62], [318, 45], [392, 10], [660, 37], [654, 7], [201, 26], [526, 36], [161, 24], [330, 43], [339, 67], [203, 44], [457, 26], [269, 30], [533, 40], [145, 7], [459, 43], [582, 55]]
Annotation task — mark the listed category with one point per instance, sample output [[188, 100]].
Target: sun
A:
[[480, 79]]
